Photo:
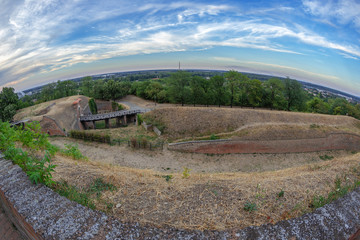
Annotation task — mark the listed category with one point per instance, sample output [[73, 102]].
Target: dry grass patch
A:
[[210, 201], [62, 110], [184, 122], [126, 133]]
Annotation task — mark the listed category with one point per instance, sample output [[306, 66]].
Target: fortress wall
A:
[[50, 126]]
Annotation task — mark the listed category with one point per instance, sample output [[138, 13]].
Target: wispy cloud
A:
[[343, 11], [42, 36]]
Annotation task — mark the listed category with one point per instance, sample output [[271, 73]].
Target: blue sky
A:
[[48, 40]]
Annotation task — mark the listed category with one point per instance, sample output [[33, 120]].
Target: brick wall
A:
[[50, 126]]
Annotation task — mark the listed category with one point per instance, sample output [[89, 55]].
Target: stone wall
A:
[[40, 213], [334, 141], [51, 127]]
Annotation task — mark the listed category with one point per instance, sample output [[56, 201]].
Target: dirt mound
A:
[[62, 110], [181, 122]]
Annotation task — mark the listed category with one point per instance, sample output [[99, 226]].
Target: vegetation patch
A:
[[84, 196], [73, 151]]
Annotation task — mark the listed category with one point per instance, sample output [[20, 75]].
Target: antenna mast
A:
[[179, 65]]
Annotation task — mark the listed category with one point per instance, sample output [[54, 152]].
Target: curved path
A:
[[133, 106]]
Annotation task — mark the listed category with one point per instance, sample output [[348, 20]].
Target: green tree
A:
[[317, 105], [8, 104], [255, 92], [87, 86], [294, 95], [93, 106], [124, 88], [233, 81], [179, 86], [152, 90], [48, 92], [274, 97], [197, 90], [218, 86]]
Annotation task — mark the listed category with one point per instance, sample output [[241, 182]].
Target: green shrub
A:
[[250, 207], [139, 119], [120, 107], [73, 151], [38, 168], [339, 190], [93, 106], [281, 193], [213, 137], [326, 157], [167, 177], [114, 106], [74, 194]]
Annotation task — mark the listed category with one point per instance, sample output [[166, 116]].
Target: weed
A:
[[281, 193], [250, 207], [339, 190], [326, 157], [314, 126], [353, 152], [99, 185], [167, 177], [139, 119], [73, 151], [38, 169], [84, 196], [186, 172], [213, 137], [74, 194]]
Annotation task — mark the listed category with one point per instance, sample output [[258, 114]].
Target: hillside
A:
[[62, 110], [185, 122]]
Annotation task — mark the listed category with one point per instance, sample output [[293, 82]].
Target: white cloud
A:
[[344, 11], [32, 34]]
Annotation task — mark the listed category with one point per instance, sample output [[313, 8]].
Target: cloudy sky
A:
[[47, 40]]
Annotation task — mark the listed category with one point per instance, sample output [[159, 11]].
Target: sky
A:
[[43, 41]]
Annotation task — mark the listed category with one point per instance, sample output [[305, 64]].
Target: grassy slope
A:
[[184, 122]]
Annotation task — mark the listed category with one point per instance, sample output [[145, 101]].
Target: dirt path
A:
[[172, 161]]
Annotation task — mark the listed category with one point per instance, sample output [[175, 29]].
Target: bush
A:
[[73, 151], [38, 169], [213, 137], [93, 106], [139, 119], [114, 106], [120, 107], [250, 207]]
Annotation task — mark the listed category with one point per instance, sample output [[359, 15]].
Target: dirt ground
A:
[[208, 200], [174, 162], [62, 110]]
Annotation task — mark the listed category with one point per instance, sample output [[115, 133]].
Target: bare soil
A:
[[62, 110], [174, 162], [209, 200]]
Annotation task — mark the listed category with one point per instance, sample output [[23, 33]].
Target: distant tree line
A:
[[10, 103], [229, 89]]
